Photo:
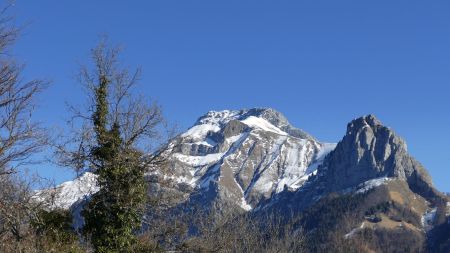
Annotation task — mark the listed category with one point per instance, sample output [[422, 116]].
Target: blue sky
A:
[[321, 63]]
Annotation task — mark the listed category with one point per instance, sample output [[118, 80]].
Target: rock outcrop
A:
[[371, 150]]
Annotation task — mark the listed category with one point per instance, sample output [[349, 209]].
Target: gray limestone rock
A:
[[371, 150]]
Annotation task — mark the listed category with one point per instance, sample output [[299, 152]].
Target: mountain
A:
[[369, 191], [364, 192], [240, 158], [68, 193], [371, 150], [369, 155]]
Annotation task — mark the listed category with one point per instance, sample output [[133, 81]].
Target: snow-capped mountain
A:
[[66, 194], [244, 156]]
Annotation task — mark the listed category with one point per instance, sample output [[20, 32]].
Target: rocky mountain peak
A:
[[271, 115], [370, 150], [222, 117], [365, 121], [367, 134], [218, 119]]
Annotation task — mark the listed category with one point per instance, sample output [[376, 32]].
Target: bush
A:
[[54, 232]]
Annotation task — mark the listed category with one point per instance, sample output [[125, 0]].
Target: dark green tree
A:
[[112, 145]]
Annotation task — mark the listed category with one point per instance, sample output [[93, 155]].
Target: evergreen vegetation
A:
[[114, 213]]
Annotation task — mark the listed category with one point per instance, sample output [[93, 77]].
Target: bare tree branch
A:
[[140, 120]]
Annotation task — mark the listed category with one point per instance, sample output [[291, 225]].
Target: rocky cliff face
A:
[[371, 150]]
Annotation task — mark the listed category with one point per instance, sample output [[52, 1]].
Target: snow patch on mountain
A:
[[199, 132], [324, 150], [64, 195], [428, 218], [262, 124], [301, 180], [207, 142], [370, 184], [354, 231], [219, 118], [298, 168], [191, 181], [197, 161], [243, 203], [210, 177], [234, 139], [367, 185]]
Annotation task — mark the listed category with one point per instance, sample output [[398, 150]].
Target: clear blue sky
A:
[[321, 63]]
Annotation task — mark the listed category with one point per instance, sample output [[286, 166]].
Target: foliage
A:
[[20, 140], [54, 232], [113, 215]]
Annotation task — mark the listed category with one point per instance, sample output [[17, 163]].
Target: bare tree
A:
[[20, 139], [140, 120], [114, 136], [18, 210], [237, 232]]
